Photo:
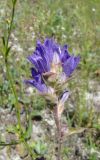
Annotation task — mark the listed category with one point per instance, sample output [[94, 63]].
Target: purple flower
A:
[[46, 59], [69, 62], [70, 65], [43, 55]]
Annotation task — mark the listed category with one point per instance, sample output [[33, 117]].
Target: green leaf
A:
[[97, 126], [14, 2], [3, 41], [8, 144], [40, 148], [11, 99], [35, 113], [7, 51], [11, 129], [29, 129]]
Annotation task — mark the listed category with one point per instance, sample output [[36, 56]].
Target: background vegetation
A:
[[72, 22]]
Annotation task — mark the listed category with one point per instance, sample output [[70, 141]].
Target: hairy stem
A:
[[58, 135]]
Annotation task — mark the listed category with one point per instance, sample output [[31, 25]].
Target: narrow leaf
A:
[[8, 50], [3, 41]]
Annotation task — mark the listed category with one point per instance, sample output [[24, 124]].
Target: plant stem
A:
[[8, 144], [29, 149], [6, 55], [15, 95], [10, 79], [58, 135], [11, 24]]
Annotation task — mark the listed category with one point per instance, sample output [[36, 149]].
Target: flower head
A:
[[48, 59]]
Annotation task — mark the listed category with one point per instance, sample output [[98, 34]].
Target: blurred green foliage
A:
[[74, 22]]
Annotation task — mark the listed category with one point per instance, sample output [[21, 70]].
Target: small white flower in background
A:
[[10, 43], [29, 90], [33, 35], [4, 69], [64, 36], [14, 37], [95, 151], [31, 28], [1, 57], [93, 9], [31, 49], [63, 28], [17, 47], [2, 12]]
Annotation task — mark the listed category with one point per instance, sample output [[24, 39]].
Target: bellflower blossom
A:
[[49, 59]]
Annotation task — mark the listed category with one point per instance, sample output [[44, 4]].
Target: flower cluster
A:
[[52, 64]]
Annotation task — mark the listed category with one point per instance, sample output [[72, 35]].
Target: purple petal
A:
[[40, 86], [64, 54], [40, 48], [40, 58], [70, 65], [64, 97], [38, 61], [34, 59], [50, 46], [35, 74]]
